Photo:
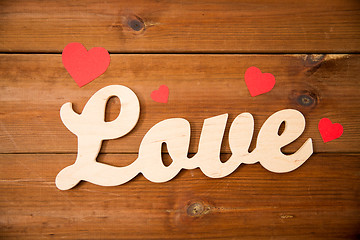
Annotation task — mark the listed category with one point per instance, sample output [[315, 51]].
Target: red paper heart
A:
[[257, 82], [330, 131], [84, 66], [161, 95]]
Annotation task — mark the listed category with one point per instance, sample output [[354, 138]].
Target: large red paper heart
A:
[[257, 82], [161, 95], [329, 131], [84, 66]]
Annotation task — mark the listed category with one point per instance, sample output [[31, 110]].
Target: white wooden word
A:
[[91, 129]]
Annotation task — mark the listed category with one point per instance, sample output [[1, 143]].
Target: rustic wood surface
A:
[[34, 87], [182, 26], [320, 200]]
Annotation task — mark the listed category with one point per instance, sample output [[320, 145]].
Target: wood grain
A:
[[34, 87], [319, 200], [250, 26], [204, 48]]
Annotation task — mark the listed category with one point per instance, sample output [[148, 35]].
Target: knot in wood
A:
[[136, 24], [195, 209], [314, 59], [304, 98]]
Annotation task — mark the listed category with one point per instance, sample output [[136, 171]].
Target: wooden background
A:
[[201, 50]]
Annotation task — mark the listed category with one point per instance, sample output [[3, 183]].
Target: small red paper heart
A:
[[329, 131], [257, 82], [161, 95], [84, 66]]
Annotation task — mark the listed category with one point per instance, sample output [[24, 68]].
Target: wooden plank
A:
[[320, 200], [34, 87], [251, 26]]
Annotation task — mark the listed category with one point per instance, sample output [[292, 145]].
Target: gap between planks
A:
[[194, 53]]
